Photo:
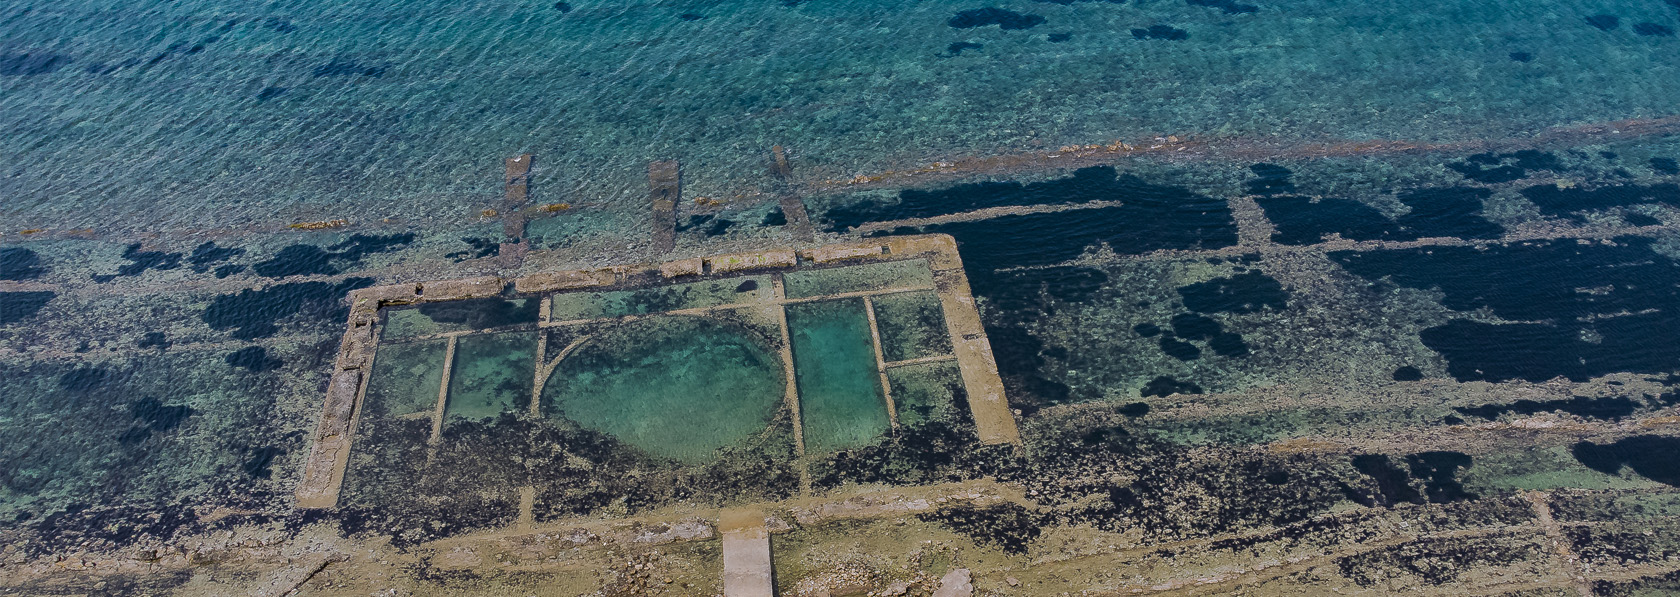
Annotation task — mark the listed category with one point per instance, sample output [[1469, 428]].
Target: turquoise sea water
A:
[[1240, 331]]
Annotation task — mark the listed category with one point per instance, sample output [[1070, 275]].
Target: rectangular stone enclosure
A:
[[679, 359]]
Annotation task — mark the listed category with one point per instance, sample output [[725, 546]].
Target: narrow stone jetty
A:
[[746, 554], [793, 208], [665, 190]]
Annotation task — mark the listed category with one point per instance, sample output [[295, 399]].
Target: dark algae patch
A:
[[208, 254], [18, 306], [1270, 179], [254, 359], [1248, 292], [1229, 7], [1665, 166], [1572, 203], [1164, 386], [1505, 167], [1407, 373], [483, 313], [1305, 221], [304, 260], [1008, 526], [139, 261], [1453, 211], [32, 63], [1653, 30], [1651, 456], [1604, 22], [18, 263], [477, 248], [1585, 310], [955, 49], [1611, 408], [1004, 19], [1162, 32], [253, 313]]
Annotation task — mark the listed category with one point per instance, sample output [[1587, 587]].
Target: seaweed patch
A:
[[1505, 167], [1004, 19], [1652, 456], [1164, 386], [1572, 203], [18, 263], [303, 260], [254, 359], [30, 64], [1230, 7], [1611, 408], [1270, 179], [252, 313], [479, 248], [1303, 221], [18, 306], [140, 261], [1162, 32], [1248, 292], [1604, 22]]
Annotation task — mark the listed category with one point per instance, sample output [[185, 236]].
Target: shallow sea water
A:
[[1387, 291]]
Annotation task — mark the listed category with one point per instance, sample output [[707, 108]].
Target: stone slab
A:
[[454, 290], [564, 280], [749, 261]]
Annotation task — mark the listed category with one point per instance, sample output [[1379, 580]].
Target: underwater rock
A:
[[156, 417], [140, 261], [254, 359], [1407, 373], [1147, 330], [1651, 456], [774, 218], [1004, 19], [1230, 7], [563, 6], [1653, 30], [956, 49], [18, 263], [1161, 32], [1057, 38], [1665, 165], [254, 313], [1522, 57], [1138, 409], [18, 306], [719, 226], [1164, 386], [1611, 408], [1248, 292], [689, 16], [1270, 179], [32, 63], [1604, 22]]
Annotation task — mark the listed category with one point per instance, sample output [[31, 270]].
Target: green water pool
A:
[[678, 387], [840, 398]]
